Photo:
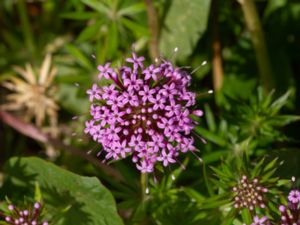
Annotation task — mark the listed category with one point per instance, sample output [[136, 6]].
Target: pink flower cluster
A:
[[145, 113], [29, 216], [260, 221], [290, 214]]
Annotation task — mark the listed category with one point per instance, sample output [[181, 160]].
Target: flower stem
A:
[[217, 63], [154, 29], [144, 186], [25, 25], [258, 39]]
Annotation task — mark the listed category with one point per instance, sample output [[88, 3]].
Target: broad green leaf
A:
[[68, 197], [185, 23]]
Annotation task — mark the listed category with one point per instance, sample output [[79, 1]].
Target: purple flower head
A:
[[30, 216], [105, 71], [290, 213], [294, 196], [146, 113]]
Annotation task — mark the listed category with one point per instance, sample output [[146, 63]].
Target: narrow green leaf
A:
[[282, 120], [78, 15], [268, 175], [131, 10], [219, 173], [97, 5], [246, 215], [37, 193], [112, 40], [274, 5], [257, 169], [135, 27], [210, 118], [280, 102], [210, 136], [79, 56], [207, 184], [89, 32], [194, 195], [214, 156], [270, 165]]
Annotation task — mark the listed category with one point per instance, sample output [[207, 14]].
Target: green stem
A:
[[210, 191], [153, 28], [25, 25], [258, 39], [144, 180]]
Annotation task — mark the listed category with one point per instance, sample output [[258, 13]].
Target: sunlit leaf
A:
[[185, 23], [79, 200]]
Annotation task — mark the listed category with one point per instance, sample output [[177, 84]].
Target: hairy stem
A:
[[259, 43], [153, 28]]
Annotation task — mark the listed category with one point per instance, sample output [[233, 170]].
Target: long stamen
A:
[[197, 68]]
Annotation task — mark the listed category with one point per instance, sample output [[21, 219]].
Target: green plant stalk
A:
[[210, 191], [25, 25], [259, 43], [154, 29], [144, 180]]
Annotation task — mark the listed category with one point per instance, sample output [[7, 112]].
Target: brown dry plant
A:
[[33, 94]]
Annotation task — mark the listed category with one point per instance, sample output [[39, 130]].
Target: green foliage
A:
[[69, 198], [184, 25], [110, 21], [229, 174], [246, 130]]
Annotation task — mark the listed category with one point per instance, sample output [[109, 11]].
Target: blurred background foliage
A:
[[252, 50]]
